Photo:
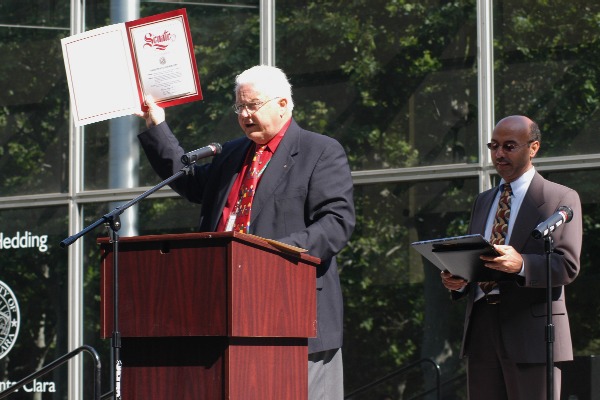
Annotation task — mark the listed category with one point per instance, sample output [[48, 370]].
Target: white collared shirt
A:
[[519, 189]]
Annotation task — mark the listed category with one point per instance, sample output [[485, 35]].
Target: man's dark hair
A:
[[534, 132]]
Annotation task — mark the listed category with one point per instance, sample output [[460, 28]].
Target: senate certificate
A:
[[111, 70], [163, 58]]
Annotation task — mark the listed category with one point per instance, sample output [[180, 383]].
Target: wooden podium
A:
[[210, 316]]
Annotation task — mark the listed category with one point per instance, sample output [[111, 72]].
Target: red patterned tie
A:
[[500, 228], [248, 188]]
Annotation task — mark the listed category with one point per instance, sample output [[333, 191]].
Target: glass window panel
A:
[[396, 309], [395, 83], [34, 112], [97, 13], [221, 53], [35, 268], [47, 14], [546, 67]]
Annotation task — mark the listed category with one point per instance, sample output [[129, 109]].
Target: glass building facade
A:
[[412, 90]]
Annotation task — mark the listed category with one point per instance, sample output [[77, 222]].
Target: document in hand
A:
[[460, 256], [110, 70]]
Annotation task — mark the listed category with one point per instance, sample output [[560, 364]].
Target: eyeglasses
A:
[[250, 107], [507, 147]]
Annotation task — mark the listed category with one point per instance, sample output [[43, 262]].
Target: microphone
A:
[[203, 152], [563, 215]]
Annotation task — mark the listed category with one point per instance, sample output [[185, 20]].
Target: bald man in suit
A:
[[504, 333]]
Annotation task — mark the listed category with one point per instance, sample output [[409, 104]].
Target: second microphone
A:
[[203, 152]]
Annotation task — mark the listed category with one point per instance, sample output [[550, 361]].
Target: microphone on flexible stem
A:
[[203, 152], [563, 215]]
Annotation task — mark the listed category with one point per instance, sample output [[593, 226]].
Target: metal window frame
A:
[[77, 196]]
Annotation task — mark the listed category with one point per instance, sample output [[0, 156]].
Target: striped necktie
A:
[[500, 228]]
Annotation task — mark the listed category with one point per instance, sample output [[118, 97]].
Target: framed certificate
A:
[[163, 58], [110, 70]]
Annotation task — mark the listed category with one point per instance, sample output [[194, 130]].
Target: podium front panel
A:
[[271, 294], [214, 368], [167, 288]]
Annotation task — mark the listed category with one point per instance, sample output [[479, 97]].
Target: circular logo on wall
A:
[[10, 319]]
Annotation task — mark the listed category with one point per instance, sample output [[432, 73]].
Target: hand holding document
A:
[[110, 70], [152, 114], [460, 256]]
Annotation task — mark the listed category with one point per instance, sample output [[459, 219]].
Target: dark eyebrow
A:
[[508, 141]]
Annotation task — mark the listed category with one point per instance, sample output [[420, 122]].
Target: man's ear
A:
[[282, 102], [533, 149]]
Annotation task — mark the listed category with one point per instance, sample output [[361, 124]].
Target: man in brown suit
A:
[[504, 333]]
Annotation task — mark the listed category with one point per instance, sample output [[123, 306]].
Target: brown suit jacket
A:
[[523, 300]]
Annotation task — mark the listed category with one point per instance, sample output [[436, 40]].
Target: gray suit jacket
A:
[[304, 198], [523, 300]]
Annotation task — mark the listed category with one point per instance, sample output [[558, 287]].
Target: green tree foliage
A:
[[395, 82], [33, 113], [546, 67]]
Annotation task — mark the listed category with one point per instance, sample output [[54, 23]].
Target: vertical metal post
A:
[[123, 152], [75, 270], [548, 243], [485, 87], [267, 32]]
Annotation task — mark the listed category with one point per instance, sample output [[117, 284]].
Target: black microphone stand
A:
[[549, 326], [113, 222]]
